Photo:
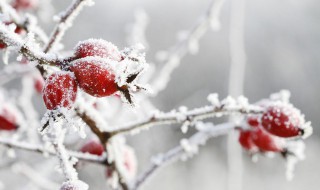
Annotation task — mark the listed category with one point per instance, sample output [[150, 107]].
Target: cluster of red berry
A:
[[268, 132], [90, 70]]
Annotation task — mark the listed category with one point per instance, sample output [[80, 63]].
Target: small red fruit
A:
[[266, 142], [74, 185], [93, 147], [25, 4], [38, 84], [60, 90], [253, 121], [7, 120], [98, 48], [246, 142], [282, 120], [95, 77]]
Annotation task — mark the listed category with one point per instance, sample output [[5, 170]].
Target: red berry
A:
[[98, 48], [38, 84], [74, 185], [266, 142], [7, 120], [93, 147], [253, 121], [60, 90], [246, 141], [25, 4], [95, 77], [282, 120]]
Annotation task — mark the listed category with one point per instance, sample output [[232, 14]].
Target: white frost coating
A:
[[124, 158], [214, 99], [295, 154], [74, 185], [283, 96]]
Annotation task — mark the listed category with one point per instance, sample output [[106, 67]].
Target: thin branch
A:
[[189, 116], [40, 149], [175, 153], [65, 21], [211, 17]]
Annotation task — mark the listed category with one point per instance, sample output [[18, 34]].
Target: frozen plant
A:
[[77, 88]]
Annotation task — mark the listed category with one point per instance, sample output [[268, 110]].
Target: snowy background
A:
[[282, 45]]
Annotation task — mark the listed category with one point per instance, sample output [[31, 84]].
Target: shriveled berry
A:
[[93, 147], [60, 90], [266, 142], [282, 120], [95, 77], [25, 4], [98, 48], [245, 140]]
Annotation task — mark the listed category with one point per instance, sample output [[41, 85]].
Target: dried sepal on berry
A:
[[60, 90]]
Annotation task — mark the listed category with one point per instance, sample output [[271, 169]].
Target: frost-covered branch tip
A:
[[65, 20]]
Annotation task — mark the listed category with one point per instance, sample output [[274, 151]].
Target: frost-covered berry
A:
[[265, 141], [253, 121], [25, 4], [38, 84], [282, 120], [60, 90], [245, 140], [74, 185], [97, 48], [8, 121], [130, 161], [93, 147], [95, 77]]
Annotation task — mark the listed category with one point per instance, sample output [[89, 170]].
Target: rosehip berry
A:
[[246, 142], [60, 90], [25, 4], [98, 48], [282, 120], [92, 147], [253, 121], [38, 84], [7, 120], [95, 77], [266, 142]]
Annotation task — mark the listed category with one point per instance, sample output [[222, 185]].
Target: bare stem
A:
[[40, 149], [189, 116]]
